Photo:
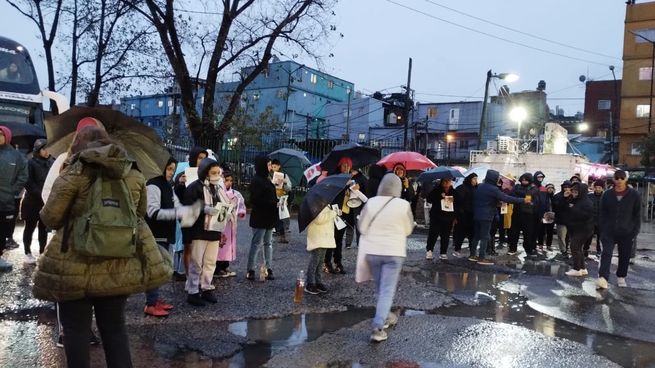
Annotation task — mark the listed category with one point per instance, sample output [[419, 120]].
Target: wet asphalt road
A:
[[255, 321]]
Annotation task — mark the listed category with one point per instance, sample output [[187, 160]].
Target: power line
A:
[[521, 32], [494, 36]]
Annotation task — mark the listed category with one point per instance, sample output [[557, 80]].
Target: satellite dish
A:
[[582, 78]]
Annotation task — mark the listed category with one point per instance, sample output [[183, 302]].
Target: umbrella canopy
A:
[[319, 196], [293, 163], [23, 135], [411, 160], [360, 155], [428, 177], [141, 142]]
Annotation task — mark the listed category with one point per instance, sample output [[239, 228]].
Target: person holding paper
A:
[[282, 187], [442, 217], [345, 218], [228, 252], [204, 242]]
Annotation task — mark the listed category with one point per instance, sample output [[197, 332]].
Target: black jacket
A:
[[620, 218], [375, 174], [264, 214], [195, 192], [595, 201], [464, 199], [521, 191], [434, 197], [160, 228], [37, 171], [580, 215]]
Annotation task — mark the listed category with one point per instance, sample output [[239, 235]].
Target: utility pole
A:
[[407, 105], [483, 117], [348, 116], [613, 109], [426, 135]]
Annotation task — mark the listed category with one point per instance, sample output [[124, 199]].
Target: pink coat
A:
[[229, 251]]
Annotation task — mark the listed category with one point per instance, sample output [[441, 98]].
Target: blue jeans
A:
[[386, 272], [480, 235], [259, 237], [315, 267]]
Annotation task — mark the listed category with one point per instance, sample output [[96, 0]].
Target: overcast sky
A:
[[451, 55]]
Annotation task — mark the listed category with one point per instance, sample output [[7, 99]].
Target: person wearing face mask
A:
[[595, 196], [561, 208], [204, 242], [581, 227]]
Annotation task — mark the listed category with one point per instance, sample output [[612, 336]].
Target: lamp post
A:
[[449, 139], [483, 119], [613, 110], [286, 108], [518, 114]]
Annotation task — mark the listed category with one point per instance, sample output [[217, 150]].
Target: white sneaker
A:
[[584, 272], [428, 255], [601, 283], [391, 320], [573, 272], [443, 256], [29, 259], [379, 335], [621, 282], [456, 254]]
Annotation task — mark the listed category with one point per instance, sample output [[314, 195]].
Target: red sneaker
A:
[[163, 305], [153, 310]]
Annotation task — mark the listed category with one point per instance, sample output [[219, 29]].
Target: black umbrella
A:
[[319, 196], [23, 135], [360, 155], [427, 178]]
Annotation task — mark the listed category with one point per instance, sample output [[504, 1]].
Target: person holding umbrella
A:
[[347, 215], [442, 216]]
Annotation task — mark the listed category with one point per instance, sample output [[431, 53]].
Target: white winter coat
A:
[[320, 232]]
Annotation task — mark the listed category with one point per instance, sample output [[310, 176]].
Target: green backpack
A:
[[108, 225]]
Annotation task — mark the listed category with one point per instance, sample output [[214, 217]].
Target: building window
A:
[[280, 93], [361, 137], [313, 78], [255, 96], [635, 149], [463, 144], [604, 104], [432, 112], [330, 84], [160, 104], [645, 73], [170, 103], [644, 35], [643, 111], [453, 119], [132, 106]]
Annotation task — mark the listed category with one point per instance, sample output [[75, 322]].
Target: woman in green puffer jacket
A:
[[83, 284]]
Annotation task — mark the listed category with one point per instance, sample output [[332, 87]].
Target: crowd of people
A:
[[190, 221]]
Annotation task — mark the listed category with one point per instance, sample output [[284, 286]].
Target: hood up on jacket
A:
[[390, 186], [565, 184], [377, 171], [193, 155], [492, 177], [582, 189], [170, 160], [113, 159], [526, 176], [537, 182], [261, 166], [205, 165], [469, 177], [7, 133]]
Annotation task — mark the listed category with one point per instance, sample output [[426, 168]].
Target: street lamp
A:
[[518, 114], [583, 127], [509, 77], [449, 139]]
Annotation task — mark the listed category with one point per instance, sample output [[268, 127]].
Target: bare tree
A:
[[247, 34], [45, 15]]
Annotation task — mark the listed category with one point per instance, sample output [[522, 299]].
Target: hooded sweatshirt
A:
[[561, 205], [522, 191], [386, 220], [581, 219], [162, 203], [193, 155], [196, 191], [620, 217], [13, 173], [542, 202], [264, 214], [487, 197], [464, 194], [375, 174]]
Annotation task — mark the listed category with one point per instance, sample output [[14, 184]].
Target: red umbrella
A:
[[411, 160]]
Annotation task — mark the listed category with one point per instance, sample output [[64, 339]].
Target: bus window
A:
[[14, 68]]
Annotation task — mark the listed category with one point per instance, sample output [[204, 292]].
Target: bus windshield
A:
[[17, 73]]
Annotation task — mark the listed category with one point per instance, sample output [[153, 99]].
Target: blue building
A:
[[161, 112], [352, 121], [296, 94]]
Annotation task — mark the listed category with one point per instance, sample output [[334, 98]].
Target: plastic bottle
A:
[[300, 286], [262, 272]]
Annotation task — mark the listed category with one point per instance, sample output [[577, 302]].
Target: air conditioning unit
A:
[[507, 144]]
